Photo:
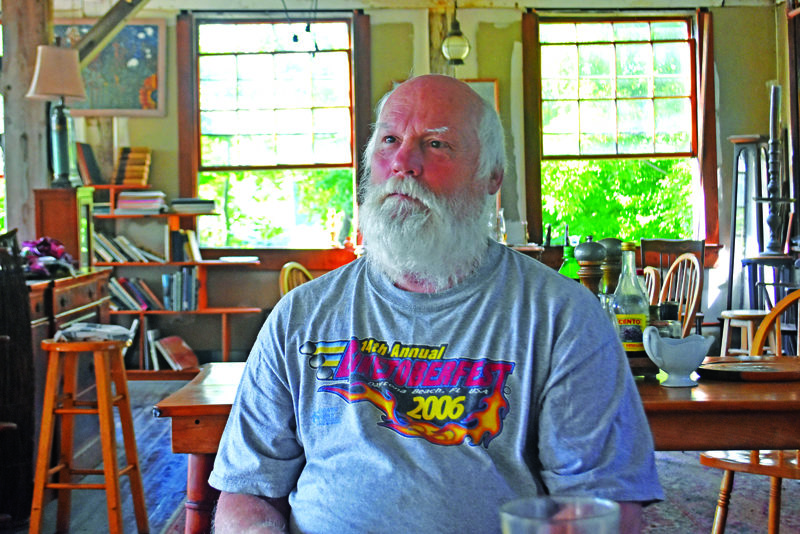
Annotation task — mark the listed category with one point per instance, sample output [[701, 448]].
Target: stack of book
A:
[[133, 166], [120, 249], [184, 245], [133, 294], [180, 289], [140, 202], [192, 205]]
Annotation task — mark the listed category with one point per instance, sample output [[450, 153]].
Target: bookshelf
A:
[[159, 259]]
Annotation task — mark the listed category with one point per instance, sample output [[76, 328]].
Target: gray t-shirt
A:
[[381, 410]]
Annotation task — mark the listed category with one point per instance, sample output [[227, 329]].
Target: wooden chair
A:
[[775, 464], [652, 281], [662, 253], [683, 284], [292, 275]]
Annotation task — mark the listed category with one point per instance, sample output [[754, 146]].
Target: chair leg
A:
[[721, 513], [725, 343], [129, 439], [54, 370], [67, 444], [774, 523], [105, 413]]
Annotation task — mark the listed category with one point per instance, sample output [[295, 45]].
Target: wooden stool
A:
[[62, 364], [747, 322]]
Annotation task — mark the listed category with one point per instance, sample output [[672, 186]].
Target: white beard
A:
[[436, 241]]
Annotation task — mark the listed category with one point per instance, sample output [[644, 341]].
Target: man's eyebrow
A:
[[441, 129]]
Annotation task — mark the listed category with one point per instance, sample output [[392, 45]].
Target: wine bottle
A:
[[570, 266], [631, 305]]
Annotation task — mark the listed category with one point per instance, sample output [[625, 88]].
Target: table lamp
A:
[[57, 77]]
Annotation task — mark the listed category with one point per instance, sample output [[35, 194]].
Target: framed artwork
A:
[[487, 88], [128, 75]]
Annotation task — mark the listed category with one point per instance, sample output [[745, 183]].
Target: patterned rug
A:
[[691, 492]]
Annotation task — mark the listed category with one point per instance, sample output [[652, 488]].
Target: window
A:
[[275, 129], [619, 122]]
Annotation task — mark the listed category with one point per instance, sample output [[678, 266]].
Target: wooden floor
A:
[[163, 473]]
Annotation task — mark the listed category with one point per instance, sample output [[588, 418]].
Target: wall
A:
[[748, 56]]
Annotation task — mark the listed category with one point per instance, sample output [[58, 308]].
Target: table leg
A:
[[200, 497]]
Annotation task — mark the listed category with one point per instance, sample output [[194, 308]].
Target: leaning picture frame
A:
[[487, 88], [128, 76]]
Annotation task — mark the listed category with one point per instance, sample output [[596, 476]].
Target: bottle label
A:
[[631, 331]]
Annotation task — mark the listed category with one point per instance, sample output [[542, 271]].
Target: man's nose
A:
[[407, 160]]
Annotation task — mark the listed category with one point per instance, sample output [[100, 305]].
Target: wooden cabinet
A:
[[66, 215]]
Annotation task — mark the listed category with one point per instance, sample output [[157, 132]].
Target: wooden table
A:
[[713, 415]]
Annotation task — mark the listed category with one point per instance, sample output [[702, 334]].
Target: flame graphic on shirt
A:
[[480, 426]]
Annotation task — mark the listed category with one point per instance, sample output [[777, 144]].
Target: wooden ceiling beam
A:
[[105, 29]]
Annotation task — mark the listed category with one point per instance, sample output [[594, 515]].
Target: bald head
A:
[[443, 98]]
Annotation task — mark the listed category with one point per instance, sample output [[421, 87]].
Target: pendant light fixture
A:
[[455, 46]]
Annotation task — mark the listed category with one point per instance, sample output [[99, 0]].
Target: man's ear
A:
[[495, 181]]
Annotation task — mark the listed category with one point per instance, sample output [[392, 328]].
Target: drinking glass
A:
[[560, 515]]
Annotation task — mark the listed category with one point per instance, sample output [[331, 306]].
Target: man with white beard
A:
[[419, 388]]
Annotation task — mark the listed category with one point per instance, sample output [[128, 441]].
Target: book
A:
[[100, 251], [134, 332], [87, 164], [152, 298], [177, 352], [192, 246], [126, 248], [134, 292], [109, 245], [151, 335], [125, 299], [130, 249], [166, 286]]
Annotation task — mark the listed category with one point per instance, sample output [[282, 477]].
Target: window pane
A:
[[598, 127], [597, 72], [559, 72], [631, 31], [670, 30], [557, 33], [671, 115], [635, 127], [235, 38], [672, 68], [331, 75], [589, 32]]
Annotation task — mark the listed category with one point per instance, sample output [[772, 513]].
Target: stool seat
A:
[[62, 374], [747, 321]]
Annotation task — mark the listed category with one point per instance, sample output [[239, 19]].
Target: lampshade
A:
[[57, 75], [455, 46]]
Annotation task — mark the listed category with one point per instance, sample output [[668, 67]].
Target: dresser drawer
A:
[[38, 308], [84, 293]]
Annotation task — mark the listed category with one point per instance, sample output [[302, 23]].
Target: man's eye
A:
[[389, 139], [437, 144]]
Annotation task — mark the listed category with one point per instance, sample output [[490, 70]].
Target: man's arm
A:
[[238, 513], [630, 517]]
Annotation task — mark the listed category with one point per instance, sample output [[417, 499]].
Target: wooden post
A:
[[26, 24]]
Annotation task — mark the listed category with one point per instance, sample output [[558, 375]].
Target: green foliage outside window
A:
[[294, 208], [626, 199]]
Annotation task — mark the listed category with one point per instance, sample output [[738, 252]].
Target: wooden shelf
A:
[[140, 374], [204, 263], [204, 311], [164, 215]]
